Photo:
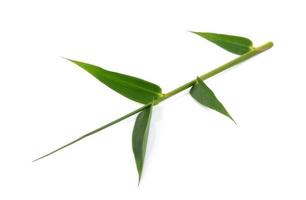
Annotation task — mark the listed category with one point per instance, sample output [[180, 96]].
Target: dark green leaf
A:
[[205, 96], [235, 44], [131, 87], [140, 137]]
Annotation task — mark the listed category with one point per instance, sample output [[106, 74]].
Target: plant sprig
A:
[[150, 94]]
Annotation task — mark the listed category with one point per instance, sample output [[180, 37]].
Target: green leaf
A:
[[140, 138], [131, 87], [205, 96], [235, 44]]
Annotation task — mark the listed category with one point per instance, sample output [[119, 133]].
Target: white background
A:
[[193, 152]]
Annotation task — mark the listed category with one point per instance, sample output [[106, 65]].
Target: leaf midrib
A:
[[235, 43], [133, 85]]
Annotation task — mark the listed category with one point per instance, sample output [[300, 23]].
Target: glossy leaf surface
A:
[[205, 96], [235, 44], [140, 138], [131, 87]]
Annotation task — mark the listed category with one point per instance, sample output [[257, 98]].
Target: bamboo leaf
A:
[[131, 87], [140, 138], [205, 96], [235, 44]]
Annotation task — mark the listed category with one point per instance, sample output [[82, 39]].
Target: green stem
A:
[[231, 63], [217, 70]]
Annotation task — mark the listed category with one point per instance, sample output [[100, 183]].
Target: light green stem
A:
[[227, 65], [217, 70]]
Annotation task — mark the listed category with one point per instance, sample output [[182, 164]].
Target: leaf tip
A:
[[139, 178], [195, 32], [232, 119], [74, 61], [65, 58], [191, 31]]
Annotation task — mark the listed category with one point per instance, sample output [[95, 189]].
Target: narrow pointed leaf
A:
[[131, 87], [235, 44], [205, 96], [140, 138]]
